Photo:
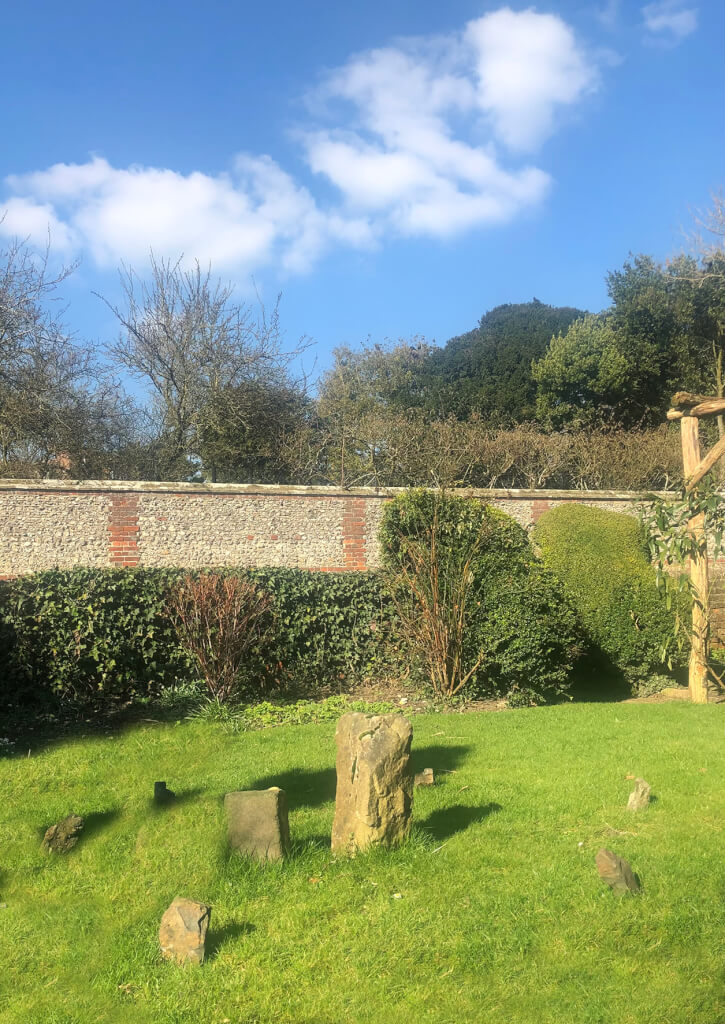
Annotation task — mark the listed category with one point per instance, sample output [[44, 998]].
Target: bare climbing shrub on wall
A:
[[475, 608], [221, 621], [431, 584]]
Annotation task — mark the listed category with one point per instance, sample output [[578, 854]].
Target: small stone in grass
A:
[[640, 796], [182, 935], [616, 872], [424, 778], [63, 837]]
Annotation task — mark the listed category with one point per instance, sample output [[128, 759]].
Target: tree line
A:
[[534, 396]]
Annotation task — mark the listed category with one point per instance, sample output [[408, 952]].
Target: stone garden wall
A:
[[59, 524]]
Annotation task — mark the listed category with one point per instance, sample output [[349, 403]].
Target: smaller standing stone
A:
[[162, 795], [257, 822], [63, 837], [616, 872], [182, 935], [640, 796], [424, 778]]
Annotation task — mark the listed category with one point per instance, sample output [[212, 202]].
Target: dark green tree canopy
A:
[[488, 370]]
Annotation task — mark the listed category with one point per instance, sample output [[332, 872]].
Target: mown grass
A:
[[492, 912]]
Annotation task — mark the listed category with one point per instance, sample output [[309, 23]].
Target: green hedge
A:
[[100, 636], [519, 614], [601, 560]]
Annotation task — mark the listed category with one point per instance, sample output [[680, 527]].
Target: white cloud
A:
[[669, 21], [240, 220], [422, 138], [428, 124], [528, 65], [26, 218]]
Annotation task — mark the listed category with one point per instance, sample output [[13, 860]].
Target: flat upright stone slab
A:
[[424, 778], [63, 837], [182, 935], [374, 781], [616, 872], [257, 822], [639, 798]]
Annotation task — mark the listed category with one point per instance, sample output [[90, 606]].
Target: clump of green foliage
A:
[[476, 607], [103, 637], [89, 636], [601, 559], [266, 714]]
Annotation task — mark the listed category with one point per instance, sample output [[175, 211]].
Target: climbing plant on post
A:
[[683, 534]]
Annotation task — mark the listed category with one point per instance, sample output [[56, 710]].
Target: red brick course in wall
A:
[[538, 507], [123, 530], [353, 534]]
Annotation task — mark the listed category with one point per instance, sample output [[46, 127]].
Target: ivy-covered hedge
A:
[[100, 636], [601, 559]]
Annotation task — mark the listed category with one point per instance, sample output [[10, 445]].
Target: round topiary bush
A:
[[476, 607], [601, 560]]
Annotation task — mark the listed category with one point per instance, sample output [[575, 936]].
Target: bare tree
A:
[[198, 350], [59, 411]]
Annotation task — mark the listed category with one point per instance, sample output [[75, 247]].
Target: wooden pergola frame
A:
[[689, 409]]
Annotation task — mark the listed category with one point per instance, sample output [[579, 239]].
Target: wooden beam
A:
[[698, 571], [710, 407], [706, 464], [706, 407], [686, 400]]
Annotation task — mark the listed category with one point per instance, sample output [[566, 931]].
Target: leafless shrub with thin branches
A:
[[431, 583], [221, 621]]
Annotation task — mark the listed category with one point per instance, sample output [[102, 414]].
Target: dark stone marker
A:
[[616, 872], [63, 837], [257, 823], [424, 778], [640, 796], [182, 935], [162, 795]]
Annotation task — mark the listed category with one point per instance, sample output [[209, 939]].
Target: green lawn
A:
[[492, 912]]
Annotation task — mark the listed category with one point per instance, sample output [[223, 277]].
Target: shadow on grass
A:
[[438, 757], [318, 841], [447, 821], [40, 725], [181, 796], [217, 939], [304, 788]]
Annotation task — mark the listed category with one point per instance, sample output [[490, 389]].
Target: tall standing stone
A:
[[374, 781], [257, 822], [182, 935]]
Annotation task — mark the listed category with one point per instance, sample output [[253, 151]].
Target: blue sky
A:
[[393, 168]]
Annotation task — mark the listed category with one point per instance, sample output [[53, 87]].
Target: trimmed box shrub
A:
[[601, 559]]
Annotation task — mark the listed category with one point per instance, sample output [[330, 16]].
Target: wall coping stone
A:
[[176, 487]]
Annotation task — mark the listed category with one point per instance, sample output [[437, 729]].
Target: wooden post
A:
[[699, 688]]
